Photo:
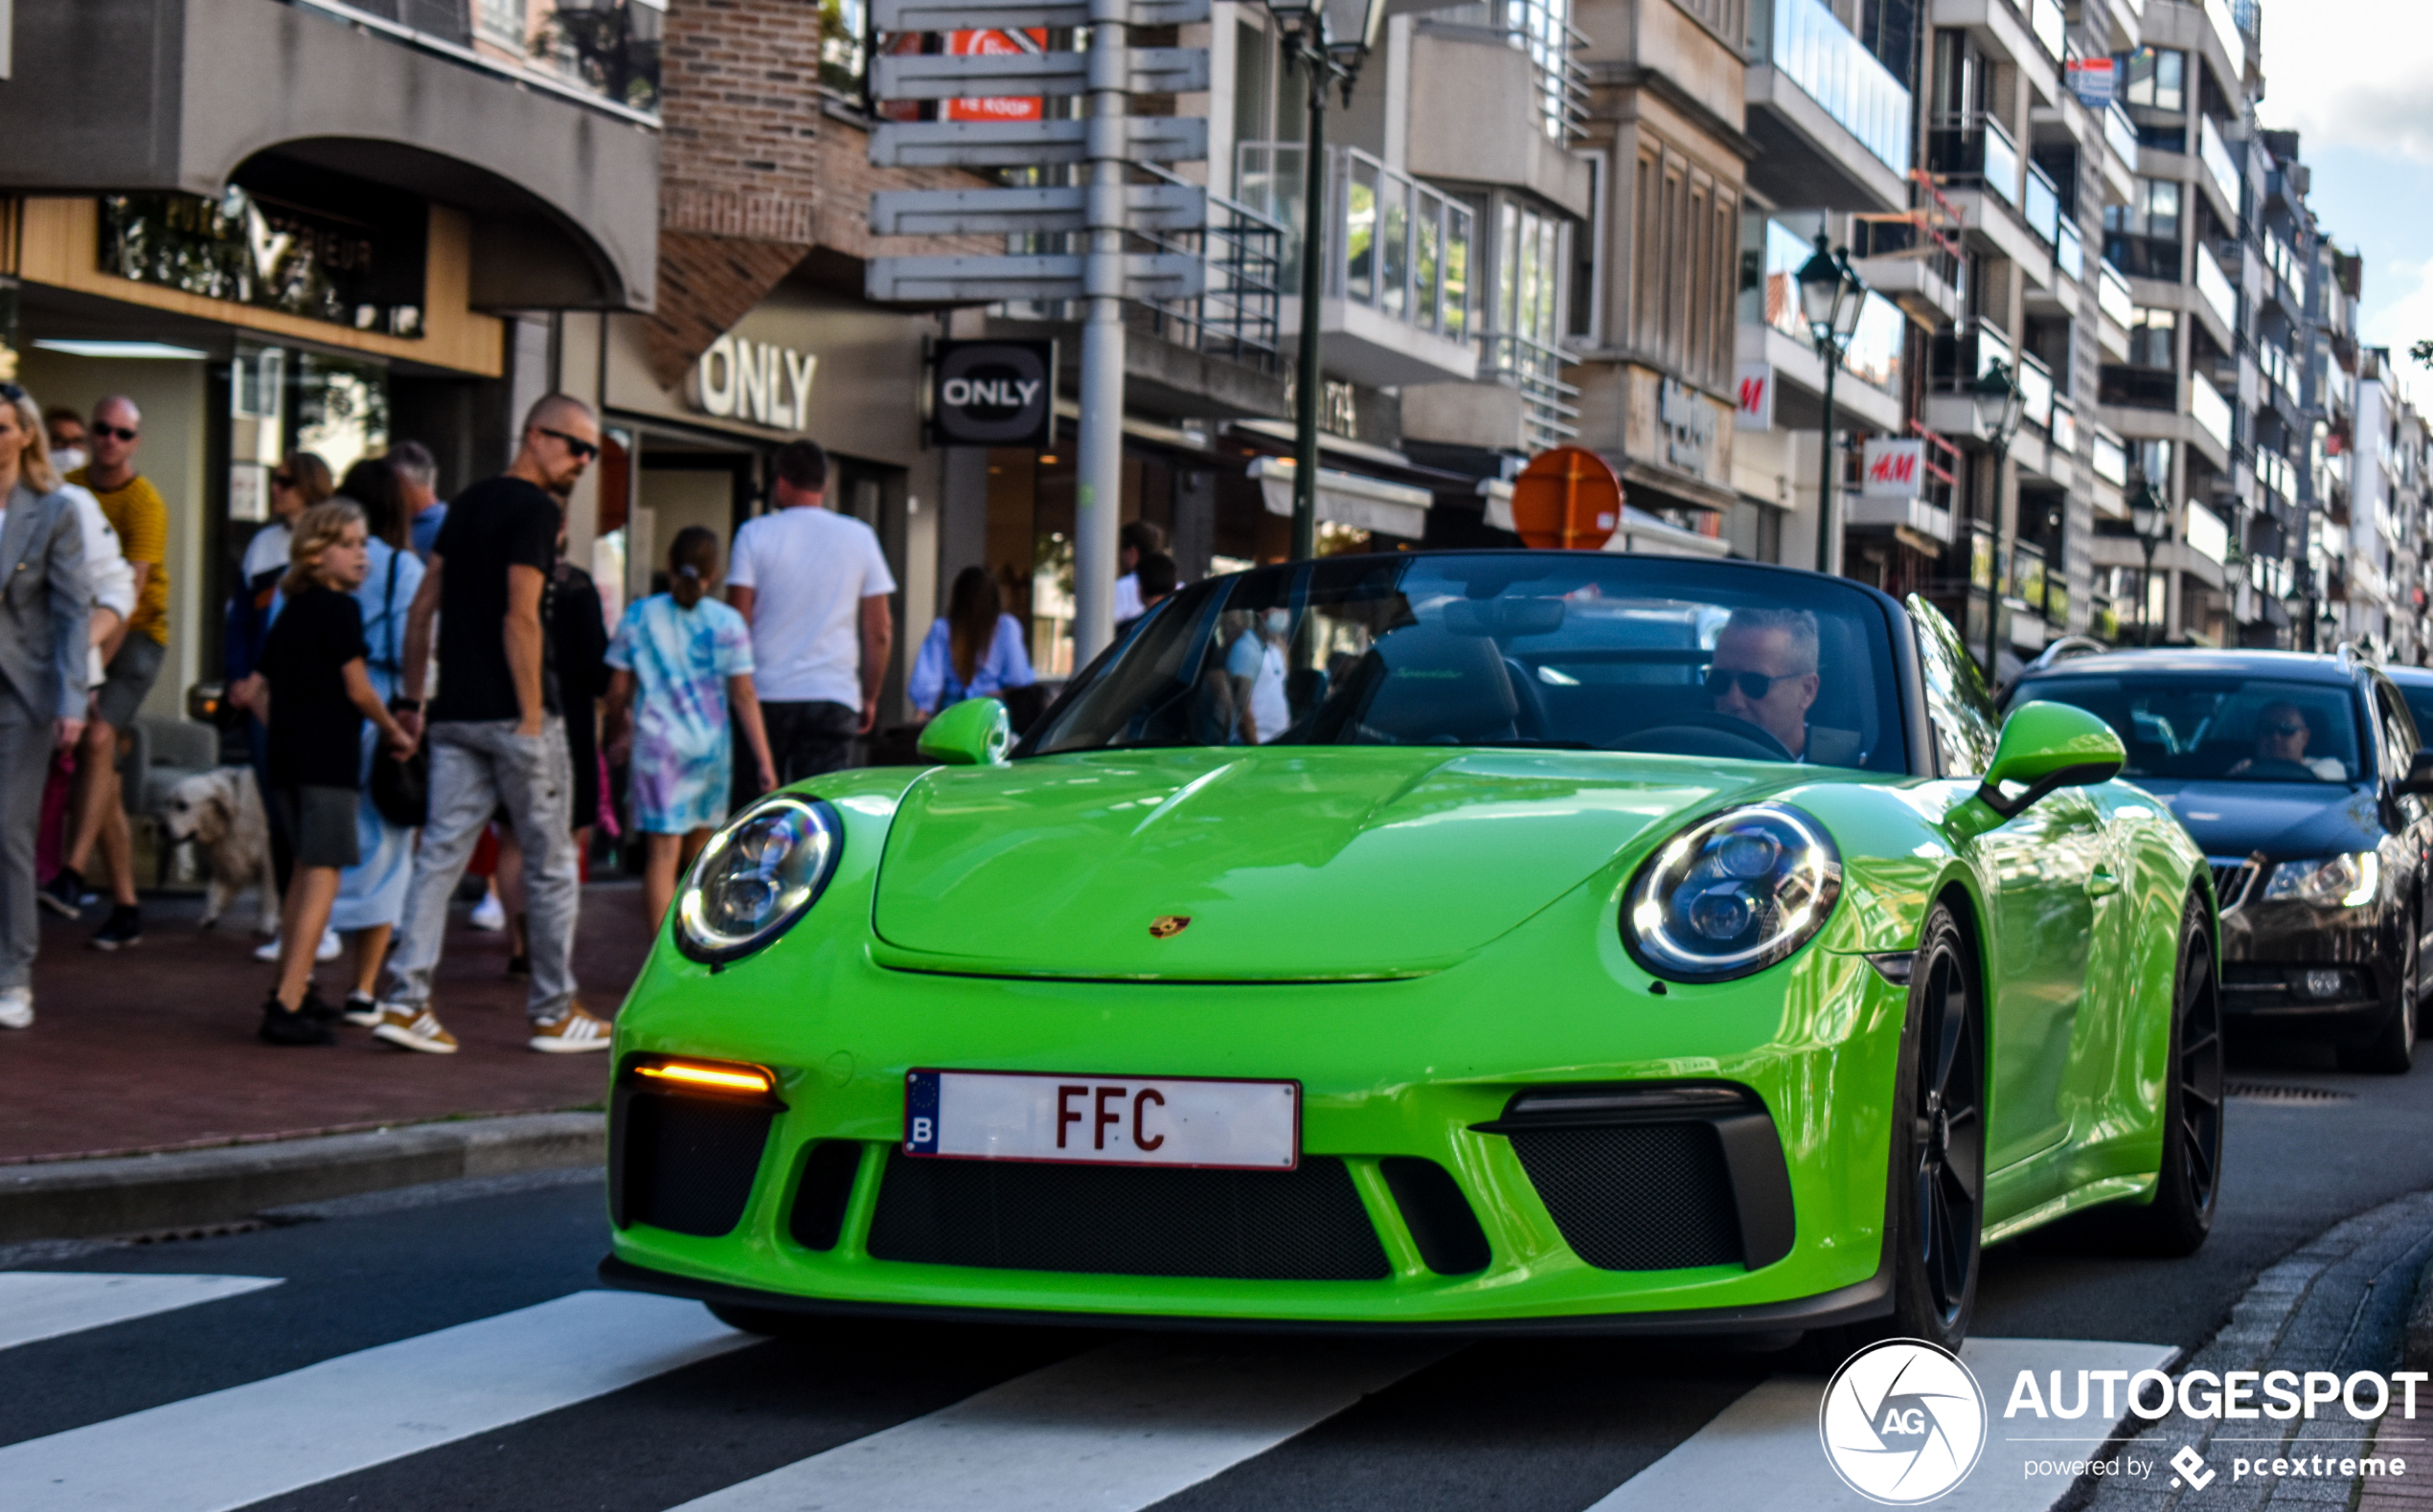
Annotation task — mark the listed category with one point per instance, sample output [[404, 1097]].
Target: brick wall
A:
[[755, 176]]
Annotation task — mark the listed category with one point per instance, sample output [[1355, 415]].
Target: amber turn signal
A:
[[751, 1081]]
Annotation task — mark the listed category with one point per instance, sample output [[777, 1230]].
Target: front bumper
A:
[[2299, 971]]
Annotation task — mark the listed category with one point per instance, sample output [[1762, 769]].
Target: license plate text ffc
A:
[[1104, 1120]]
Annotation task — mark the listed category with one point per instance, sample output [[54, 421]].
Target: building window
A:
[[2157, 79], [502, 21], [1587, 295], [1684, 263], [2153, 339]]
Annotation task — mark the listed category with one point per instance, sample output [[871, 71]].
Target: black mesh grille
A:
[[1304, 1225], [1638, 1197], [690, 1162]]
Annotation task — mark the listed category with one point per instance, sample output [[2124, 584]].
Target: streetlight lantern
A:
[[1329, 38], [2151, 519], [1831, 295]]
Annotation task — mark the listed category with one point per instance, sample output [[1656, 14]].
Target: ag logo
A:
[[1903, 1422]]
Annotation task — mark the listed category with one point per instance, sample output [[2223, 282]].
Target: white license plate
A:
[[1104, 1120]]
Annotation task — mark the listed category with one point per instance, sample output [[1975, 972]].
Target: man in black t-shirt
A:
[[495, 732]]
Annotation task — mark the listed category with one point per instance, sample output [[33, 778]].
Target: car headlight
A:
[[1732, 894], [757, 877], [2350, 880]]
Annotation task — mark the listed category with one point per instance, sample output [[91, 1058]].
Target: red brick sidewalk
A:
[[154, 1047]]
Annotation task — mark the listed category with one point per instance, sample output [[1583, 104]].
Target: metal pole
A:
[[2146, 592], [1994, 590], [1098, 500], [1307, 381], [1824, 476]]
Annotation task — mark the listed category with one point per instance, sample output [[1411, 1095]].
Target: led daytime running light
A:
[[710, 1077]]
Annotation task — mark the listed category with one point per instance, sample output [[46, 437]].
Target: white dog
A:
[[221, 811]]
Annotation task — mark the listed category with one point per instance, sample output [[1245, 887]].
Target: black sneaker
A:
[[519, 966], [281, 1025], [318, 1010], [64, 894], [126, 927], [361, 1008]]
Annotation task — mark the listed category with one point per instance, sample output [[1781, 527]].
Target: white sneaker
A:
[[489, 913], [16, 1007], [326, 950]]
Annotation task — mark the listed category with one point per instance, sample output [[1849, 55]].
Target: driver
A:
[[1765, 672], [2282, 734]]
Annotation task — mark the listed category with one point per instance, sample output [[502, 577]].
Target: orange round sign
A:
[[1567, 499]]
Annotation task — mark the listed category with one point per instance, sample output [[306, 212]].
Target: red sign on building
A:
[[971, 44]]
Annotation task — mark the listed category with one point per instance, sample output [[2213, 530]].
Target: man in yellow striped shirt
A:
[[135, 509]]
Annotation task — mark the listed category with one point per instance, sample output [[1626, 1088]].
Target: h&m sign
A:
[[1893, 468], [763, 382]]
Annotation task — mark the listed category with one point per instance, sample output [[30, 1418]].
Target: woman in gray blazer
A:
[[44, 605]]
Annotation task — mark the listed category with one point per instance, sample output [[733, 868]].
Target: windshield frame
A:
[[1906, 701], [2370, 762]]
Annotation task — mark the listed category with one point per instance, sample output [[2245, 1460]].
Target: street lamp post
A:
[[1831, 294], [2000, 406], [1329, 42], [2151, 519]]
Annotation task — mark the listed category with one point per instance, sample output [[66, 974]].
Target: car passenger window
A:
[[1966, 724], [2399, 731]]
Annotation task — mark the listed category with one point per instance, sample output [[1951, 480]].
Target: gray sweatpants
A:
[[24, 766], [476, 766]]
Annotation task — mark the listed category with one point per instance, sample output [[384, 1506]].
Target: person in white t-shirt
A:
[[813, 585], [1257, 666]]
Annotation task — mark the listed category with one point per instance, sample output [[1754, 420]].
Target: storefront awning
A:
[[1348, 498]]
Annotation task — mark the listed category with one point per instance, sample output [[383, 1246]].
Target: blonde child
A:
[[681, 660], [314, 693]]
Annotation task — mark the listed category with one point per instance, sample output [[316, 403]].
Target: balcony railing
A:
[[2120, 134], [2069, 253], [2042, 205], [1543, 30], [1393, 245], [2142, 256], [606, 52], [2140, 388], [2209, 410], [2214, 154], [1873, 352], [2051, 27], [1980, 152], [2111, 456], [2112, 294], [2035, 393], [1537, 370], [1813, 48], [2064, 428], [2215, 288]]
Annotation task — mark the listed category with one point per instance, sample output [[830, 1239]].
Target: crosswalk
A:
[[1118, 1427]]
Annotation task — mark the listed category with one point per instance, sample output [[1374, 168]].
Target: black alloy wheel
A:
[[1948, 1134], [2188, 1180]]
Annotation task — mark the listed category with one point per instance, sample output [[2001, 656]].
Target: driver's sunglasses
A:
[[2289, 727], [1753, 685], [584, 450]]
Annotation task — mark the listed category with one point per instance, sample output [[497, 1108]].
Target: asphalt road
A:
[[436, 1350]]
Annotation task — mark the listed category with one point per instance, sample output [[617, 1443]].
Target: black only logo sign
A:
[[995, 394]]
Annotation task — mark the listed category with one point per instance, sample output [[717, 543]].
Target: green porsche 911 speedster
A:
[[1464, 942]]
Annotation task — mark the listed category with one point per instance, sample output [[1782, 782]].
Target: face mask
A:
[[1279, 620], [68, 459]]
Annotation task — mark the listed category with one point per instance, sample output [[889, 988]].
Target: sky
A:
[[2355, 79]]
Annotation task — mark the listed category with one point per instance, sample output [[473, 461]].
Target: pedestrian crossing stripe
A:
[[49, 1304]]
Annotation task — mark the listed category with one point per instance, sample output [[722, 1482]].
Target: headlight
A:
[[2349, 881], [1732, 894], [757, 877]]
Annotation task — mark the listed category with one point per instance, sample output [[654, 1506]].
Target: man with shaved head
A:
[[132, 663], [496, 734]]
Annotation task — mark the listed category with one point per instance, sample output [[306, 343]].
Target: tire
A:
[[1935, 1204], [2189, 1182], [769, 1323], [2393, 1048]]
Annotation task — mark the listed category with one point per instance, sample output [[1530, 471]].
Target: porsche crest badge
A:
[[1169, 925]]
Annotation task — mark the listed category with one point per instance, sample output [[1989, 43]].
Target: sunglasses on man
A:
[[2286, 727], [121, 432], [1753, 685], [584, 450]]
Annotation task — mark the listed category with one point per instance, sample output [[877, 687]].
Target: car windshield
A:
[[2222, 729], [1569, 650]]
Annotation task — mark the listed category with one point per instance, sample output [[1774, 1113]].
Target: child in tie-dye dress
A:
[[679, 660]]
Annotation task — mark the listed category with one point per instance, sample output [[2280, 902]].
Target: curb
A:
[[142, 1194]]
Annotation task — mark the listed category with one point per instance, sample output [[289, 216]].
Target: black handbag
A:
[[400, 788]]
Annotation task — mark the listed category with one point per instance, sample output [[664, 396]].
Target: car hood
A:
[[2283, 820], [1290, 863]]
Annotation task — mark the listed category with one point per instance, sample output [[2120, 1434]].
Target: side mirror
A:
[[974, 733], [2420, 779], [2048, 746]]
